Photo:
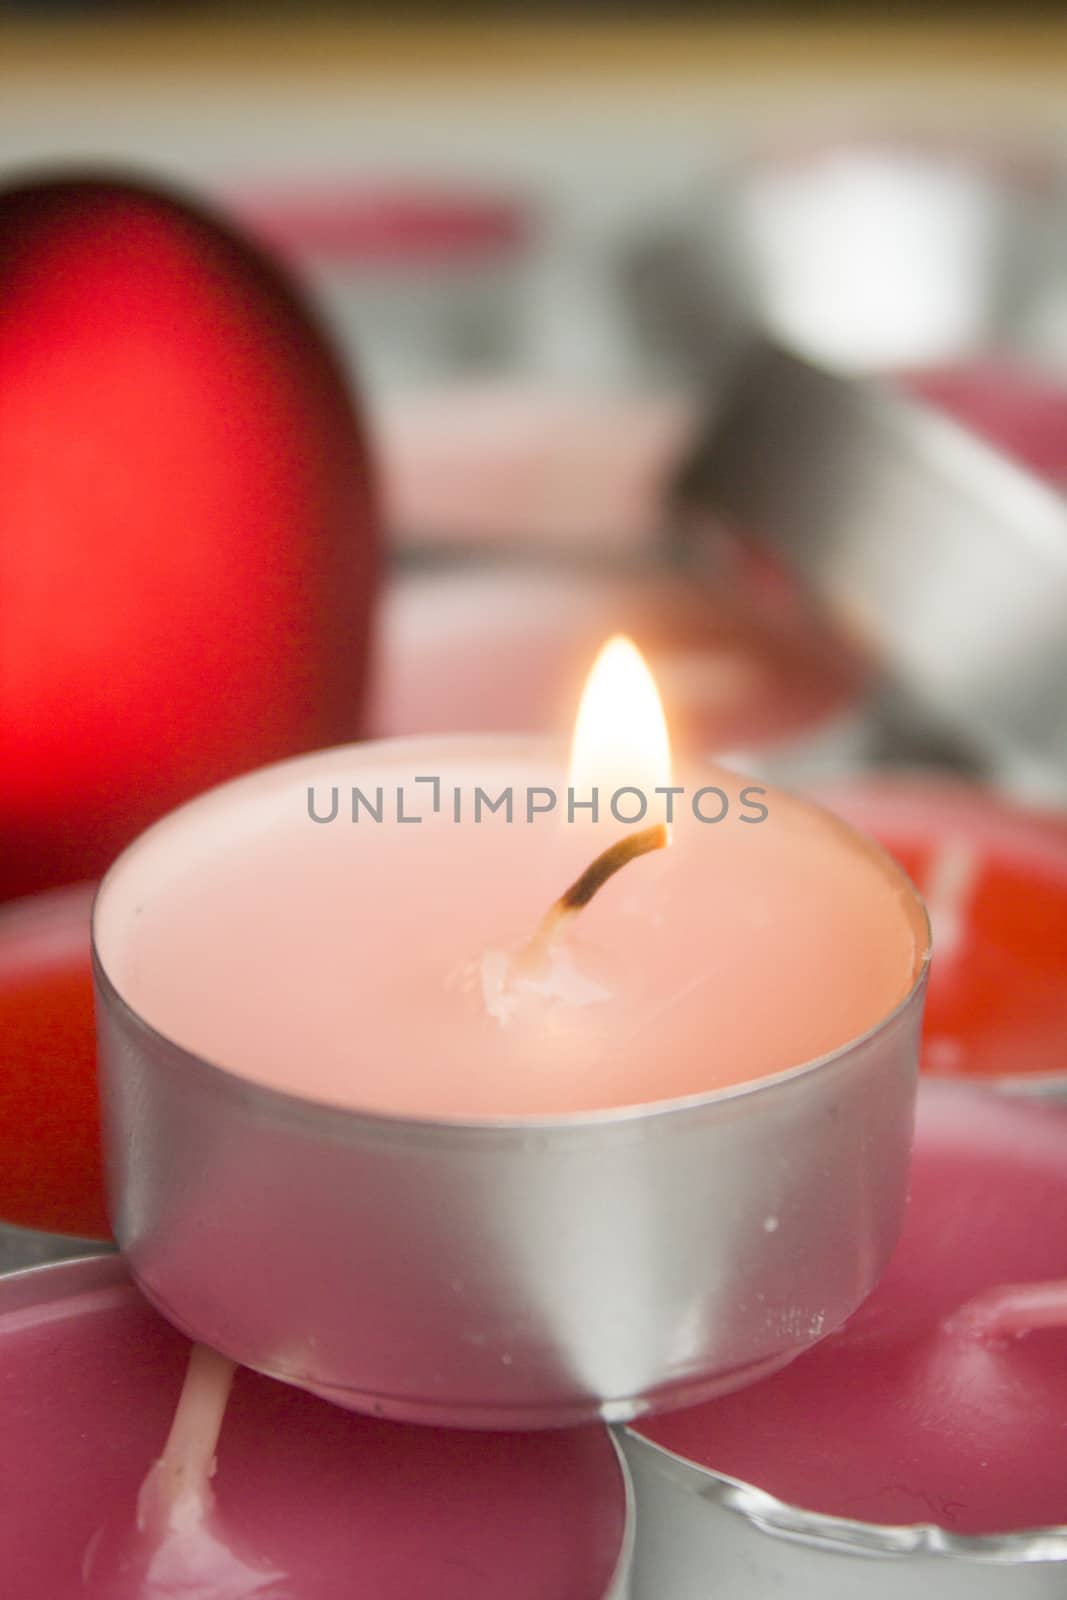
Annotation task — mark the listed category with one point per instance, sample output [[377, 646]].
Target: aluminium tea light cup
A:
[[872, 250], [917, 1454], [947, 560], [704, 1536], [597, 1231]]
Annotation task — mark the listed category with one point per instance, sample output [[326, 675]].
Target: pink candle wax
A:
[[345, 961], [909, 1414], [332, 1503], [729, 674], [994, 875], [491, 462]]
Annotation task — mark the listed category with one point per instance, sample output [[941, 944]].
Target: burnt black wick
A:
[[589, 883], [607, 864]]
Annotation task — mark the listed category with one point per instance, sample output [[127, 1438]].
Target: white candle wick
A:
[[178, 1486], [1012, 1310]]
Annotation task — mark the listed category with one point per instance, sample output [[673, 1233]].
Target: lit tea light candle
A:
[[340, 1154], [309, 1500], [930, 1427], [994, 875]]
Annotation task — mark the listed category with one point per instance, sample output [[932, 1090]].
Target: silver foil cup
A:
[[867, 248], [517, 1273], [22, 1249], [94, 1276], [883, 248], [947, 560], [703, 1536]]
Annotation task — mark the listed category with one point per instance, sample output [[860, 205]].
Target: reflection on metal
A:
[[945, 559], [25, 1247]]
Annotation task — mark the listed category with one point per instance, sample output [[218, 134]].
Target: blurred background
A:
[[536, 240]]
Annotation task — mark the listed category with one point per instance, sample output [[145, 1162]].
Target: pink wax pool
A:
[[911, 1413], [329, 1503]]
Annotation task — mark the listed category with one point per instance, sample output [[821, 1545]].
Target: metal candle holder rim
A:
[[816, 424], [292, 1109], [19, 1290], [843, 1535]]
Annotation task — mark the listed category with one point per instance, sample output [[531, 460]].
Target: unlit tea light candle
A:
[[930, 1427], [735, 669], [492, 1187], [308, 1501]]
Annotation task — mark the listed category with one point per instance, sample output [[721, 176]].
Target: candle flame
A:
[[620, 734]]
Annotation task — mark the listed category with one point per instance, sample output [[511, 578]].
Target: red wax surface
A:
[[50, 1162], [1022, 412], [344, 1505], [900, 1417], [997, 998], [187, 534]]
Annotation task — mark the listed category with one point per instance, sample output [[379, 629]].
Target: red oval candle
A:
[[187, 531], [50, 1160], [994, 874], [908, 1414], [340, 1504]]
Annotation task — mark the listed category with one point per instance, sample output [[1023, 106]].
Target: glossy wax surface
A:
[[339, 1504], [902, 1417], [345, 961], [994, 876]]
